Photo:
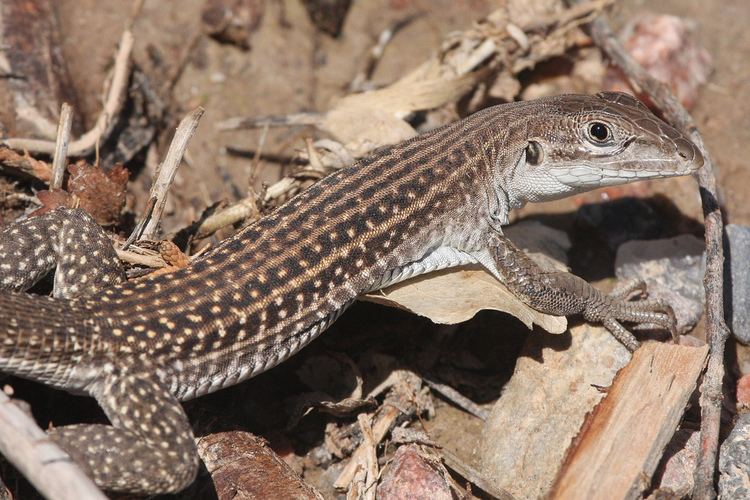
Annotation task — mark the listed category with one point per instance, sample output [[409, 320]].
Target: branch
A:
[[85, 144], [52, 472]]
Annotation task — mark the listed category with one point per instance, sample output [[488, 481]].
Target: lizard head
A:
[[579, 143]]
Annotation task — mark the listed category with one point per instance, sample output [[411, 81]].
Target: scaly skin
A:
[[435, 201]]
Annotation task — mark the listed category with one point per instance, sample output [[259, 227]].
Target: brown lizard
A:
[[432, 202]]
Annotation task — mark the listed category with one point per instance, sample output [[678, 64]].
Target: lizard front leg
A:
[[563, 294]]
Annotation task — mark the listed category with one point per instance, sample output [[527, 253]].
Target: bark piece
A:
[[242, 466], [33, 79], [624, 438]]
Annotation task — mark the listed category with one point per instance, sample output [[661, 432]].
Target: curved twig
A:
[[85, 145]]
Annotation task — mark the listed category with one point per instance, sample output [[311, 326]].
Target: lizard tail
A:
[[40, 336]]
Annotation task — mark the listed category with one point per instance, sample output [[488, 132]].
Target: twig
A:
[[290, 120], [25, 164], [167, 170], [361, 80], [717, 331], [138, 229], [472, 475], [379, 429], [60, 158], [245, 209], [370, 456], [457, 399], [84, 145], [52, 472], [154, 261]]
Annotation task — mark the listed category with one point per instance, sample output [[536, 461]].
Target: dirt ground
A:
[[293, 67]]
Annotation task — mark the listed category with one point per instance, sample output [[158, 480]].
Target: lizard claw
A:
[[619, 306]]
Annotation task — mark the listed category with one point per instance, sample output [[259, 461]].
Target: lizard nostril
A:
[[689, 152]]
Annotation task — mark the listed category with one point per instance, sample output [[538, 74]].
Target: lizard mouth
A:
[[592, 177]]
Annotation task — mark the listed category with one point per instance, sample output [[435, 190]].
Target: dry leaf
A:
[[456, 295]]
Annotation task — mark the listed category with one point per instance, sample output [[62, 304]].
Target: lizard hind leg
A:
[[148, 449], [68, 240]]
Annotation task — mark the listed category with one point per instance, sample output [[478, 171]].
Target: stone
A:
[[734, 461], [673, 271], [737, 303]]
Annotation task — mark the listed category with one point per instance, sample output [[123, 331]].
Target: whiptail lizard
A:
[[435, 201]]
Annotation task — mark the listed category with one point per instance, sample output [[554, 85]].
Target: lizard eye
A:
[[534, 153], [599, 132]]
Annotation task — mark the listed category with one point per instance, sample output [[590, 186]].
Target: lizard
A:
[[435, 201]]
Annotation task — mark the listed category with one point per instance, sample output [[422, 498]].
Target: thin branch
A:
[[60, 158], [717, 331], [52, 472], [85, 145], [168, 169], [25, 164]]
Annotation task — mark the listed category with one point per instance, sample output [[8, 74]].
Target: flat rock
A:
[[734, 461], [738, 302], [673, 270], [544, 405]]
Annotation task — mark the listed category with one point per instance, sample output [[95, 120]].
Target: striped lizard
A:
[[436, 201]]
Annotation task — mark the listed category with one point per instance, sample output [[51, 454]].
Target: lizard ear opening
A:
[[534, 153]]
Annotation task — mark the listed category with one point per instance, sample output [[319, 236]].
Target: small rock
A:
[[673, 271], [411, 475], [743, 392], [734, 461], [738, 302], [666, 47], [621, 220], [232, 21], [677, 472], [327, 15]]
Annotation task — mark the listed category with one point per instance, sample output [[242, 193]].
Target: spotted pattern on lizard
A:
[[434, 201]]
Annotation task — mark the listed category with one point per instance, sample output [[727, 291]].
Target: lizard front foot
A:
[[629, 304]]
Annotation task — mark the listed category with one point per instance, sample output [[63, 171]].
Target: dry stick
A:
[[84, 145], [167, 170], [48, 468], [717, 331], [60, 159], [25, 164], [457, 399], [371, 458]]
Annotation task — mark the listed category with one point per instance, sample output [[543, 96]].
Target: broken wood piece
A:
[[624, 438], [52, 472], [243, 466]]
